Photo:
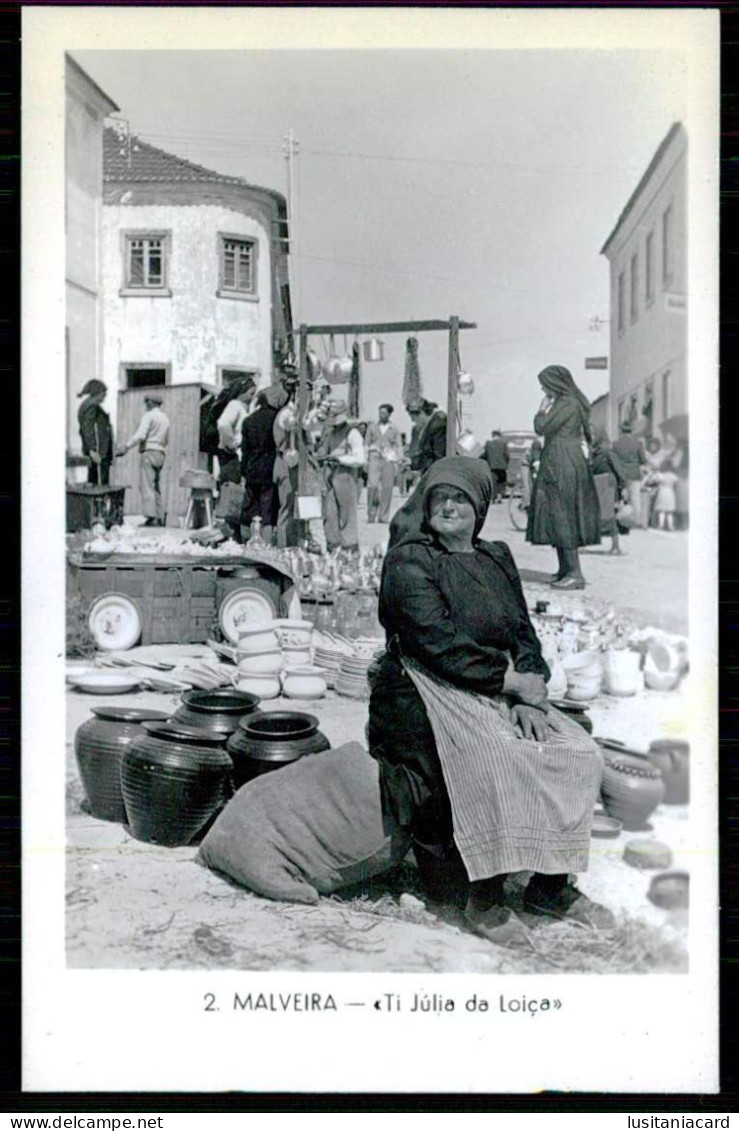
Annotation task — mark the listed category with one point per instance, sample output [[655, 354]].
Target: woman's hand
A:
[[531, 721], [546, 403], [528, 687]]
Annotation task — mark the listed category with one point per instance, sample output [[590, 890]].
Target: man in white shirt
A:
[[152, 437], [384, 451], [230, 424], [340, 453]]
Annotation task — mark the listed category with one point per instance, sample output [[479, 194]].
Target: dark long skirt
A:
[[605, 485], [564, 509], [413, 794]]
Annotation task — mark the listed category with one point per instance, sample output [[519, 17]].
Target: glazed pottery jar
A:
[[219, 709], [306, 682], [174, 779], [264, 686], [99, 746], [293, 632], [671, 756], [268, 662], [622, 672], [631, 788], [296, 655], [259, 639], [268, 740], [584, 675]]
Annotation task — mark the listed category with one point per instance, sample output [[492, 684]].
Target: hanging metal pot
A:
[[345, 364], [315, 369], [374, 350], [465, 384]]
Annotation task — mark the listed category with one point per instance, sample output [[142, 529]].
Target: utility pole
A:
[[290, 149]]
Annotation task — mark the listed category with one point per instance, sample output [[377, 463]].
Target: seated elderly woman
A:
[[486, 778]]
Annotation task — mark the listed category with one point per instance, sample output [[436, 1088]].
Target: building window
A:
[[668, 236], [238, 267], [144, 376], [649, 267], [634, 287], [648, 406], [666, 406], [146, 263], [621, 301]]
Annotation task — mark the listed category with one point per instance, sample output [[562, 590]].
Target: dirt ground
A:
[[131, 905]]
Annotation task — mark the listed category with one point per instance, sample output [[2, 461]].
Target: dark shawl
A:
[[467, 474], [558, 382]]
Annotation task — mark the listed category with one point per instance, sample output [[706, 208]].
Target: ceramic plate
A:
[[244, 608], [105, 683], [605, 826], [114, 621]]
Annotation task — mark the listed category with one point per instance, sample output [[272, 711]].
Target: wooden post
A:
[[302, 408], [451, 394]]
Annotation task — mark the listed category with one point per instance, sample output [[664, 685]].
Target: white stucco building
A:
[[194, 270], [647, 255], [86, 108]]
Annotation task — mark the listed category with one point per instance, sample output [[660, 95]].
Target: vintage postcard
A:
[[369, 549]]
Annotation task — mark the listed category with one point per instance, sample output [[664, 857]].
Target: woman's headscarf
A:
[[558, 382], [274, 396], [470, 475]]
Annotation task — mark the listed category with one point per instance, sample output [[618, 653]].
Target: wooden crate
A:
[[182, 405], [178, 602]]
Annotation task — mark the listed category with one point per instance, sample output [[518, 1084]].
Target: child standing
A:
[[665, 502]]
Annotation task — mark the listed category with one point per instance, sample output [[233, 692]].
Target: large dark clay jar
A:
[[268, 740], [99, 746], [220, 709], [671, 756], [174, 779], [631, 789]]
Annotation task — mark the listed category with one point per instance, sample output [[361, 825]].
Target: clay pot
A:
[[672, 758], [268, 662], [258, 639], [267, 741], [219, 709], [99, 746], [306, 682], [265, 686], [174, 780], [584, 675], [631, 789], [621, 670], [293, 632], [296, 655]]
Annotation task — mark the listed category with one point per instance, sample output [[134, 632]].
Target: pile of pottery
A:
[[634, 784], [351, 679], [275, 659], [329, 651]]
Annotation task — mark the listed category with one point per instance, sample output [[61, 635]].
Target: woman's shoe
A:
[[569, 904], [496, 923], [570, 582], [557, 576]]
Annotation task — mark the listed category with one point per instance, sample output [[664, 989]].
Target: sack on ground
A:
[[305, 830]]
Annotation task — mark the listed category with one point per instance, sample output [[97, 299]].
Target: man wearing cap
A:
[[340, 453], [96, 432], [384, 452], [152, 437], [431, 435], [630, 451]]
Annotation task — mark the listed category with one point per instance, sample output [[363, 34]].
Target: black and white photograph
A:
[[370, 411]]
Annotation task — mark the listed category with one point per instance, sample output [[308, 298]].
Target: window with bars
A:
[[146, 262], [238, 273]]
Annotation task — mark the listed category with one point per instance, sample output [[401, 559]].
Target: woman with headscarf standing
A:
[[96, 432], [564, 510], [474, 766]]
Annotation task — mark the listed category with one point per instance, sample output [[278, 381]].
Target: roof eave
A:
[[673, 131]]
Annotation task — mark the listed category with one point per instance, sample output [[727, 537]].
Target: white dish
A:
[[243, 609], [105, 683], [114, 621]]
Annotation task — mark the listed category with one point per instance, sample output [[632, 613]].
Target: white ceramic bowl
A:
[[266, 686], [259, 639], [268, 662], [305, 682]]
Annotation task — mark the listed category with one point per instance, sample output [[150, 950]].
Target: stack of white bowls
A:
[[271, 657]]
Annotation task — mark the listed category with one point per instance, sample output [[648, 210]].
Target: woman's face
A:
[[451, 512]]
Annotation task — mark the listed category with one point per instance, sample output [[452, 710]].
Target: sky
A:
[[429, 183]]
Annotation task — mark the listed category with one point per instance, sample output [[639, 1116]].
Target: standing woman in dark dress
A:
[[96, 432], [258, 452], [610, 483], [564, 510], [475, 767]]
